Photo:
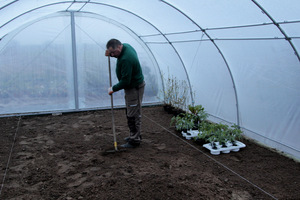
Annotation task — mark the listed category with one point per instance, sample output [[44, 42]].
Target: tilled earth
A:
[[60, 157]]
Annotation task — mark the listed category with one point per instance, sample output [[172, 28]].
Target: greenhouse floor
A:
[[60, 157]]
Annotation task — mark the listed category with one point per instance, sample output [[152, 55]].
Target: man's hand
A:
[[110, 91], [107, 52]]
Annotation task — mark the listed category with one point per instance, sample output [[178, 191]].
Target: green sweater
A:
[[128, 70]]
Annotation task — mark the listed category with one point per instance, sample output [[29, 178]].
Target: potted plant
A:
[[222, 134], [168, 94], [221, 138], [235, 134], [205, 129], [182, 122], [198, 113], [175, 95], [212, 140]]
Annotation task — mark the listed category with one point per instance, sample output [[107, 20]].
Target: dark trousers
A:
[[133, 100]]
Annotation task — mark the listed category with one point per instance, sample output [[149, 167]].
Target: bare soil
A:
[[60, 157]]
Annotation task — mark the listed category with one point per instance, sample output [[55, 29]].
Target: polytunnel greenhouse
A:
[[239, 59]]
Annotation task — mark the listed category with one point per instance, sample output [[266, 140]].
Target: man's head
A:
[[114, 47]]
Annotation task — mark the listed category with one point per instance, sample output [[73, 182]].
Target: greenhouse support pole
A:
[[222, 55], [287, 38], [169, 42], [74, 57]]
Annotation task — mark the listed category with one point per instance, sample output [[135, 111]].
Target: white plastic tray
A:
[[190, 134], [224, 149]]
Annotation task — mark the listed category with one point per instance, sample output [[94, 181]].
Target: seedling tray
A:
[[221, 149], [190, 134]]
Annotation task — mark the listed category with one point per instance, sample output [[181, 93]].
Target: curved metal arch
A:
[[188, 79], [10, 3], [279, 28], [226, 63], [125, 28], [24, 13], [72, 25], [122, 9]]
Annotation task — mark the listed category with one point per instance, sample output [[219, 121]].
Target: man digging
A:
[[131, 79]]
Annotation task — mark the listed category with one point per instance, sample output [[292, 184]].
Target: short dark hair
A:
[[113, 43]]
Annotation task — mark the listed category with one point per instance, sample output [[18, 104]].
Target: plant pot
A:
[[184, 130], [168, 108], [215, 152], [177, 111], [189, 134], [200, 141], [226, 148], [183, 133], [226, 151]]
